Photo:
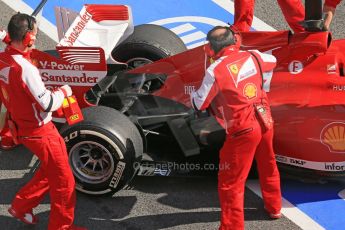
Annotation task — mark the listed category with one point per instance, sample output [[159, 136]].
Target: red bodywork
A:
[[306, 92]]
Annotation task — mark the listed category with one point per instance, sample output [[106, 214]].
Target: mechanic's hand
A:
[[5, 37], [67, 91], [329, 12]]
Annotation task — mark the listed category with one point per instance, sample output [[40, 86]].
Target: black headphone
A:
[[29, 38]]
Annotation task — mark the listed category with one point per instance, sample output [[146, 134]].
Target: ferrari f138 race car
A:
[[133, 84]]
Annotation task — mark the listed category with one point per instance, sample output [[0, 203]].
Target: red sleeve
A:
[[202, 98], [35, 88], [332, 3]]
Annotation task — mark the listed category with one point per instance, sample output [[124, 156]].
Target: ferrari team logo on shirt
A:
[[250, 91], [240, 72], [234, 69]]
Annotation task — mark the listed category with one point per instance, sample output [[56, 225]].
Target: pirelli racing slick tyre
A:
[[104, 150], [147, 44]]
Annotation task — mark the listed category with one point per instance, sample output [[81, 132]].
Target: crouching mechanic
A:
[[30, 107], [232, 90]]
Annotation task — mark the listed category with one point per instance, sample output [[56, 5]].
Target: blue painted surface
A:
[[146, 11], [319, 201]]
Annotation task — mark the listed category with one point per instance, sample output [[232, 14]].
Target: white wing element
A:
[[102, 26]]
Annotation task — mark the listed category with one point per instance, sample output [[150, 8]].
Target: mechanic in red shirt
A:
[[232, 90], [6, 142], [293, 11], [329, 11], [30, 105]]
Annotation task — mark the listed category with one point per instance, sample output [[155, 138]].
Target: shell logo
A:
[[250, 91], [333, 136]]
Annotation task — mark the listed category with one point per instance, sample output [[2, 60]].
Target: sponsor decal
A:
[[321, 166], [117, 174], [281, 159], [296, 67], [234, 69], [42, 94], [338, 87], [250, 91], [161, 172], [234, 74], [74, 117], [189, 89], [78, 26], [334, 167], [267, 76], [79, 78], [60, 66], [4, 93], [240, 70], [296, 162], [331, 69], [333, 136], [71, 136]]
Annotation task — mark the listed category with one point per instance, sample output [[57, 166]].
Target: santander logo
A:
[[79, 24]]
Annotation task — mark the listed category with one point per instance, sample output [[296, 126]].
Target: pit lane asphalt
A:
[[149, 203]]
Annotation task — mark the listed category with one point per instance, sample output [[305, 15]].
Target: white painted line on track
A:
[[257, 23], [193, 37], [341, 194], [183, 28], [196, 45], [13, 174], [199, 19], [33, 161], [289, 210], [44, 25], [50, 29]]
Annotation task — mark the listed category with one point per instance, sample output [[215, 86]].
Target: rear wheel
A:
[[147, 44]]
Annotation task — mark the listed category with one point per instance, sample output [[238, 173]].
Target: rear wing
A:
[[96, 25]]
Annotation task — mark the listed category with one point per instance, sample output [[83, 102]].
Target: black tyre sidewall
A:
[[119, 177], [149, 41], [117, 128]]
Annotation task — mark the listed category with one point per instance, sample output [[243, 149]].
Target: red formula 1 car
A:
[[136, 99]]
